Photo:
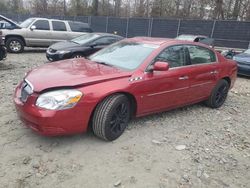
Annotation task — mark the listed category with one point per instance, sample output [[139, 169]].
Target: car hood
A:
[[72, 73], [64, 45], [243, 57], [9, 21]]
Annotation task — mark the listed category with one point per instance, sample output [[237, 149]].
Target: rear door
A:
[[77, 29], [59, 31], [202, 73], [41, 35]]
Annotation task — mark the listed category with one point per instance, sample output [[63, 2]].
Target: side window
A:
[[42, 25], [58, 26], [79, 27], [174, 55], [201, 55], [105, 40]]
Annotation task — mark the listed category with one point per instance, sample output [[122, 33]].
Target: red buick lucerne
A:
[[133, 77]]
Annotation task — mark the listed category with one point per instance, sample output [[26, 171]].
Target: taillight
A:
[[1, 32]]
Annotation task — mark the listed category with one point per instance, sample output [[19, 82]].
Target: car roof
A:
[[108, 34], [163, 41], [59, 20], [190, 37], [150, 40], [193, 35]]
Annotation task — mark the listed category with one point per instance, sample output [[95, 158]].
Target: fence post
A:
[[150, 26], [178, 29], [212, 32], [107, 23], [89, 20], [127, 27]]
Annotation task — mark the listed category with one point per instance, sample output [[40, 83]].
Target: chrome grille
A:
[[26, 90]]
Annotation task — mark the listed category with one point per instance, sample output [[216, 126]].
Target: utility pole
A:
[[64, 7]]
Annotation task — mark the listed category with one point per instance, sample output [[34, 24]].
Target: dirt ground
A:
[[193, 146]]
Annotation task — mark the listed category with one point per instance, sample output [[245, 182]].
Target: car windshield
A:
[[247, 51], [27, 22], [83, 39], [125, 55]]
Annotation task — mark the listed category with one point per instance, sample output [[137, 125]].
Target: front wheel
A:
[[111, 117], [15, 45], [218, 95]]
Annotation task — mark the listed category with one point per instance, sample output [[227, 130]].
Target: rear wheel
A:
[[15, 45], [218, 95], [111, 117]]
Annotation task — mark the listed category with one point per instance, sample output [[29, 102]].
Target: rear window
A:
[[58, 26], [79, 27]]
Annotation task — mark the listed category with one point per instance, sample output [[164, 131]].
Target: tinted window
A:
[[200, 55], [58, 26], [174, 55], [105, 40], [85, 38], [79, 27], [42, 25]]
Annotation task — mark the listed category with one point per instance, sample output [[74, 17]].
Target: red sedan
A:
[[133, 77]]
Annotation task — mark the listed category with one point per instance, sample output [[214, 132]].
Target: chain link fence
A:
[[231, 34]]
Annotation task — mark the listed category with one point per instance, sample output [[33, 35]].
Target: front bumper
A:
[[56, 56], [244, 69], [51, 122]]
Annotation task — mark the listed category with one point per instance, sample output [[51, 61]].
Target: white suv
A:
[[41, 32]]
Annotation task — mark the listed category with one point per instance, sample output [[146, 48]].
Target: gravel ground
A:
[[193, 146]]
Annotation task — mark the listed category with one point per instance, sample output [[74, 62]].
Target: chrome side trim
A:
[[201, 84], [163, 92]]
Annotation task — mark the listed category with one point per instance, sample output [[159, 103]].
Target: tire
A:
[[111, 117], [218, 95], [15, 45], [2, 54], [77, 55]]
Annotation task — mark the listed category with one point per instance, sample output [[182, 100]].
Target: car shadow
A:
[[4, 66], [89, 138], [243, 76], [34, 50]]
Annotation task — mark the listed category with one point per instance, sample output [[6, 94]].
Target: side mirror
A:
[[33, 27], [160, 66]]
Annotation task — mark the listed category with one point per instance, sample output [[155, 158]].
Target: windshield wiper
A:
[[104, 63], [74, 42]]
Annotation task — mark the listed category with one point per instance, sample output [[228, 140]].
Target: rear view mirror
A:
[[33, 27]]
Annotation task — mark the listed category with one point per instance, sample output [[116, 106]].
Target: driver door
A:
[[166, 89], [40, 36]]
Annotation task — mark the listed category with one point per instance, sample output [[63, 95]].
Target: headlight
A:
[[63, 52], [59, 100]]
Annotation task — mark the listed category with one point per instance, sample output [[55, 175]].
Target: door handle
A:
[[214, 72], [183, 78]]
